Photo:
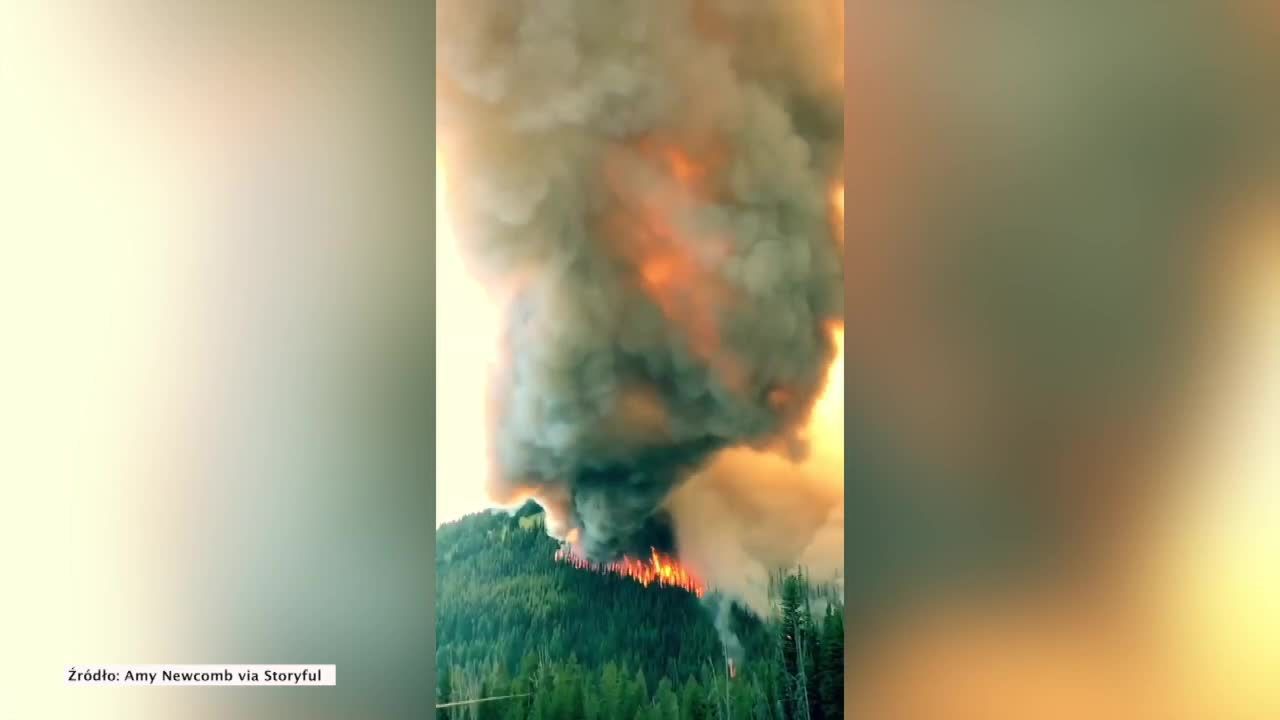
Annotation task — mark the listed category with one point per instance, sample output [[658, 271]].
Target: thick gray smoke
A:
[[646, 185]]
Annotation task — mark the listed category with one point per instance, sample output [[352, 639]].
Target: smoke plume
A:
[[645, 185], [721, 609]]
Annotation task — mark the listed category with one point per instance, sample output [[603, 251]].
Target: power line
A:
[[480, 700]]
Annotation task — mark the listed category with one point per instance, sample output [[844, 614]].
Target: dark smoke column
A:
[[646, 184]]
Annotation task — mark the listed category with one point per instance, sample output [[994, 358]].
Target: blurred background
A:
[[217, 310], [1061, 353]]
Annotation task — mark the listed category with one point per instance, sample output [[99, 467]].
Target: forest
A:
[[520, 635]]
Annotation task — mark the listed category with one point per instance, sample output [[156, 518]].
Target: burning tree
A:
[[658, 569], [651, 195]]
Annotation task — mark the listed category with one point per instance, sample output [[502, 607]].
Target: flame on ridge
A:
[[658, 569]]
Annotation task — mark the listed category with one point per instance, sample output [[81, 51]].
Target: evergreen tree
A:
[[668, 703], [810, 665], [591, 704], [512, 620], [692, 702], [611, 691], [832, 680], [639, 690], [444, 690], [791, 645]]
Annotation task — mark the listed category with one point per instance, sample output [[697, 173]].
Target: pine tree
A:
[[666, 700], [791, 645], [832, 681], [640, 690], [586, 645], [591, 703], [444, 690], [611, 691], [811, 665], [741, 701], [692, 704]]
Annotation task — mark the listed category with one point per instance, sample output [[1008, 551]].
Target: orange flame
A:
[[659, 569], [674, 263], [686, 171]]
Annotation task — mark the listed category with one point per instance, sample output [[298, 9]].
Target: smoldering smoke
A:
[[721, 610], [644, 185]]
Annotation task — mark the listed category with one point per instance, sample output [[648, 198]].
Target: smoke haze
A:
[[645, 187]]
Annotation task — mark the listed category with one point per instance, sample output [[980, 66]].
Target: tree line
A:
[[556, 642]]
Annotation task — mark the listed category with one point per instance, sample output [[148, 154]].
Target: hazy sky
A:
[[466, 328]]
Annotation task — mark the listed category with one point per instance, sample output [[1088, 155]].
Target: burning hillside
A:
[[658, 569], [650, 196]]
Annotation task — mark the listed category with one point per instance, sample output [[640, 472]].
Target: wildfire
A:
[[686, 171], [659, 569]]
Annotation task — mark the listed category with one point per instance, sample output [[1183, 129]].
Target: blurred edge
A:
[[219, 406]]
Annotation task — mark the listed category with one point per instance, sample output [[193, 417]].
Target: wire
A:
[[480, 700]]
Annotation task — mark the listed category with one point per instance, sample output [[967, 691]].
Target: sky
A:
[[466, 328]]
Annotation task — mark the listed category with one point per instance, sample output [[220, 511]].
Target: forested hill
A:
[[501, 594], [510, 619]]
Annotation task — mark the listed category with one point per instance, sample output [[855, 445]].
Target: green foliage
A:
[[511, 620], [831, 673]]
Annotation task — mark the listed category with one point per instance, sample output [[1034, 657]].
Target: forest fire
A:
[[655, 257], [659, 569]]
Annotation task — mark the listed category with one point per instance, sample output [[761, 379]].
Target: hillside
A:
[[513, 620]]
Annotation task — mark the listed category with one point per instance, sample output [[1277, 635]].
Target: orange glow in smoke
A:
[[826, 423], [658, 569], [673, 263], [658, 272], [778, 398], [683, 168]]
